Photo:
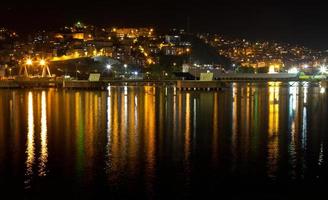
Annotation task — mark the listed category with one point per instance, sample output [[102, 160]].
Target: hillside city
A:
[[120, 52]]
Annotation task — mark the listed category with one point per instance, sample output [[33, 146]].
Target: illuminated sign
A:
[[94, 77]]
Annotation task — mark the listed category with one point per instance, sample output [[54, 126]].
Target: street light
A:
[[29, 61], [108, 68], [125, 67], [45, 68], [23, 68], [42, 62]]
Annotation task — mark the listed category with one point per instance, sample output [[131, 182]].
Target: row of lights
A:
[[29, 62], [109, 66], [295, 70]]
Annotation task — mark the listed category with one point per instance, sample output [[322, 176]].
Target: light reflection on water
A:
[[273, 130], [44, 146], [142, 137], [30, 148]]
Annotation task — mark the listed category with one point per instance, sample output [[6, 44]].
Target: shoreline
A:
[[179, 84]]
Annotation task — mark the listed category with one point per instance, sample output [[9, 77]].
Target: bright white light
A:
[[125, 65], [108, 66], [305, 66], [322, 90], [323, 70], [293, 70], [135, 73]]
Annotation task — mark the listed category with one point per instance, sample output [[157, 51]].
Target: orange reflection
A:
[[187, 129], [30, 139], [149, 130], [91, 117], [131, 112], [44, 147], [273, 128], [115, 150]]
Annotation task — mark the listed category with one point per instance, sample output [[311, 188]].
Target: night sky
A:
[[296, 22]]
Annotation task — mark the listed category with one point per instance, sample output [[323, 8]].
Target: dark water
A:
[[264, 141]]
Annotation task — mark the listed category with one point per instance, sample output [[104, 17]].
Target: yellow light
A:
[[29, 61], [42, 62], [150, 61], [272, 69]]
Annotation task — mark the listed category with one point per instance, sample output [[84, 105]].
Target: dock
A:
[[224, 82], [235, 77], [78, 84]]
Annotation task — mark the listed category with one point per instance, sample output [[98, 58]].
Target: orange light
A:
[[29, 61], [42, 62]]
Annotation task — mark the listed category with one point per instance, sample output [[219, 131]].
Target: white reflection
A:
[[30, 138], [293, 91], [304, 128], [125, 90], [44, 147], [305, 92], [320, 160], [293, 113]]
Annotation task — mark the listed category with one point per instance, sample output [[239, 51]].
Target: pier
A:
[[77, 84], [223, 82]]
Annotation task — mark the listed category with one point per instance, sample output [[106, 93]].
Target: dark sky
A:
[[287, 21]]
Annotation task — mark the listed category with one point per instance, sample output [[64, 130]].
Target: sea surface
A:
[[253, 140]]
